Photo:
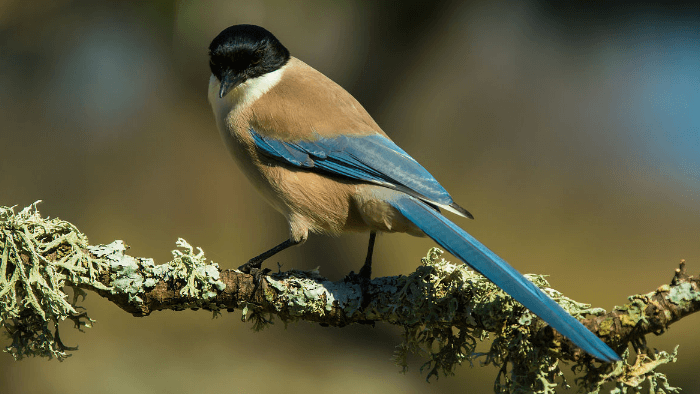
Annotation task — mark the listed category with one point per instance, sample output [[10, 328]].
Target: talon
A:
[[250, 265], [364, 283]]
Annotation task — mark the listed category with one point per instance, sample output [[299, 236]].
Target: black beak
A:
[[229, 81]]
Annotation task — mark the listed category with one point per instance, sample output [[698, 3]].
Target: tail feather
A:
[[479, 257]]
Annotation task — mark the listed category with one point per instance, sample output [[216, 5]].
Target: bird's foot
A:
[[365, 275], [352, 277], [252, 267], [252, 264], [362, 279], [258, 274]]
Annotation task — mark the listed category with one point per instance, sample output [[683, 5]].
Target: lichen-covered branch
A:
[[445, 309]]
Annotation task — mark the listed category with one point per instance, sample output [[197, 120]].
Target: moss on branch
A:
[[444, 309]]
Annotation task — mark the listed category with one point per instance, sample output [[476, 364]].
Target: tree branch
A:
[[444, 309]]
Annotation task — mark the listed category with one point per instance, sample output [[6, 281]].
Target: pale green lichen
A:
[[633, 312], [133, 276], [125, 271], [682, 293], [306, 292], [32, 298], [201, 279], [39, 257], [427, 305], [433, 304], [429, 310], [438, 306], [632, 378]]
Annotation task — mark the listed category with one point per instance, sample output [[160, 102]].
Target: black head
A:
[[242, 52]]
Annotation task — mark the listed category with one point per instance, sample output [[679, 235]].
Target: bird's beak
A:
[[229, 81]]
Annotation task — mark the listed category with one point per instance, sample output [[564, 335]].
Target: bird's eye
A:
[[257, 57]]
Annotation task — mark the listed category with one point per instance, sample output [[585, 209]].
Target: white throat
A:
[[243, 95]]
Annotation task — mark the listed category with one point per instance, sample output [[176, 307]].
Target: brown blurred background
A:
[[571, 132]]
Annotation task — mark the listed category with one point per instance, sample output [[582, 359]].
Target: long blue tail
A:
[[476, 255]]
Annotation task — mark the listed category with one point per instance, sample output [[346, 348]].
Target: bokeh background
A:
[[571, 130]]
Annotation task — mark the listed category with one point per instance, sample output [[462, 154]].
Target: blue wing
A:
[[370, 158]]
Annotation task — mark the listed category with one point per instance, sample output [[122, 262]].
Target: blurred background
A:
[[571, 131]]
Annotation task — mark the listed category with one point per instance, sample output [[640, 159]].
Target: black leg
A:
[[257, 261], [366, 270]]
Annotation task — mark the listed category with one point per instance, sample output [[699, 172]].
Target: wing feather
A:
[[370, 158]]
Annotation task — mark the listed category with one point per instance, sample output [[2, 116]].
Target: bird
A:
[[316, 155]]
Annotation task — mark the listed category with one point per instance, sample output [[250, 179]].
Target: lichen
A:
[[445, 309], [125, 271], [306, 292], [39, 257], [32, 297], [201, 279], [427, 304], [133, 276], [682, 293], [632, 378], [439, 297]]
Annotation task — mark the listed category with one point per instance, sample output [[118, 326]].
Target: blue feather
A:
[[479, 257], [369, 158]]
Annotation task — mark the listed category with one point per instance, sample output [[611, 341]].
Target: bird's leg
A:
[[257, 261], [364, 277], [366, 270]]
